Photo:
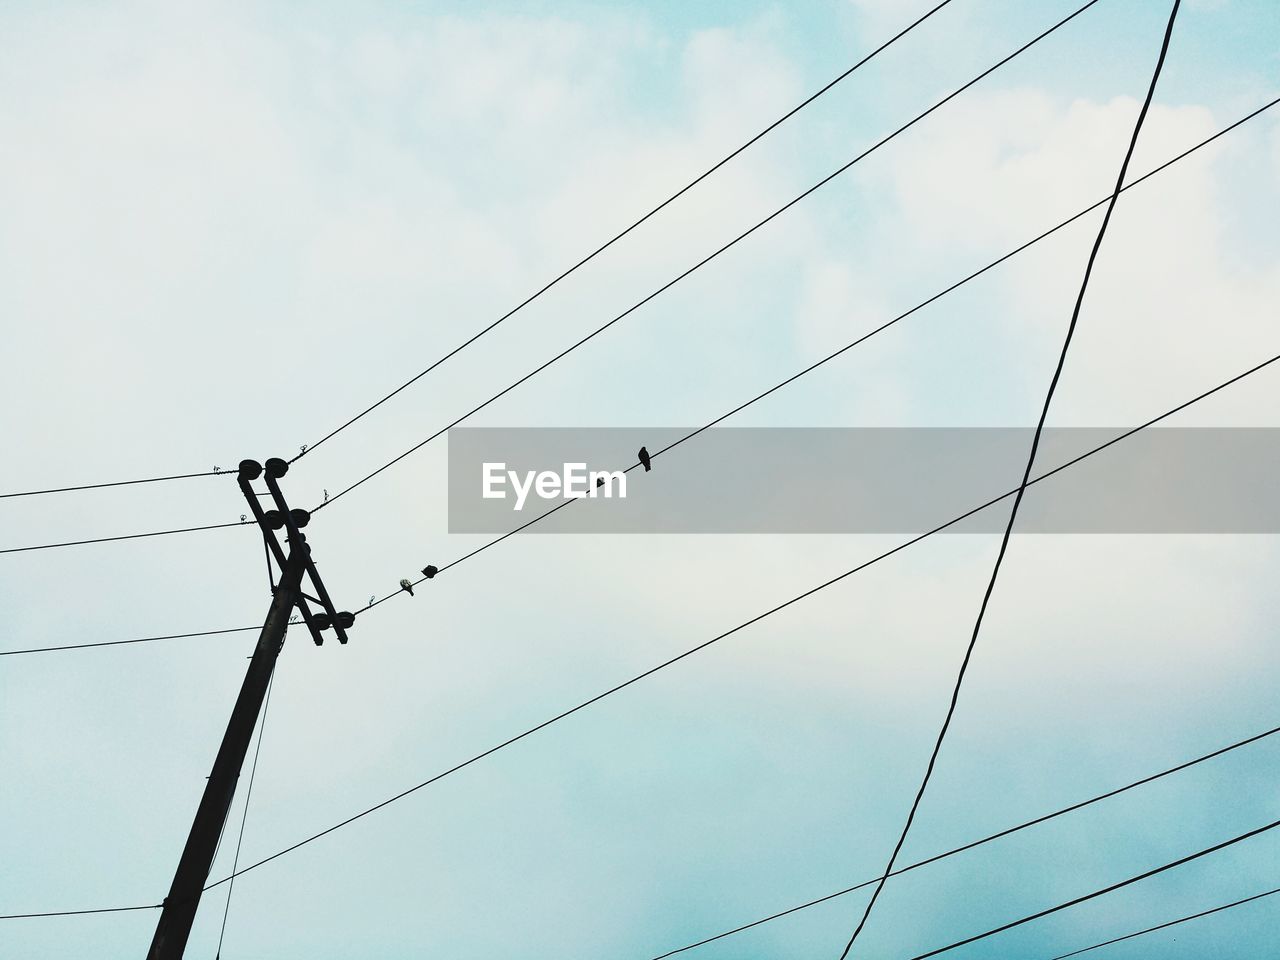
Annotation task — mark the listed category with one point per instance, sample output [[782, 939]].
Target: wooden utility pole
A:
[[174, 926]]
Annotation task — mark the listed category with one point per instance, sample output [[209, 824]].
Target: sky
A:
[[225, 228]]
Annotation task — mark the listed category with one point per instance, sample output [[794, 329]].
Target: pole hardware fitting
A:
[[343, 619], [275, 519]]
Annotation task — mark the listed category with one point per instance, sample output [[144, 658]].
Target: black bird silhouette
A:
[[644, 459], [430, 570], [406, 586]]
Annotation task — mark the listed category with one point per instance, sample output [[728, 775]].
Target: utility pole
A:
[[174, 926]]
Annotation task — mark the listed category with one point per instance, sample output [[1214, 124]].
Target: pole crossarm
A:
[[293, 521]]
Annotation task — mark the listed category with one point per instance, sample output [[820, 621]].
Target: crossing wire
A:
[[1017, 500]]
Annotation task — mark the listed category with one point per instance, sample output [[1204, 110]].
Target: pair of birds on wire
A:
[[430, 571]]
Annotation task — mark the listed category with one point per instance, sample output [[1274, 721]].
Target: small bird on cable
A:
[[407, 587], [430, 570], [644, 459]]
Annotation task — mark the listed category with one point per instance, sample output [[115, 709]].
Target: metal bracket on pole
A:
[[277, 468], [250, 470]]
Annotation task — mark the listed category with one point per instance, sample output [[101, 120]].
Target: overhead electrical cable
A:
[[120, 643], [1248, 741], [1008, 831], [79, 913], [621, 686], [113, 483], [524, 303], [1170, 923], [127, 536], [705, 260], [1017, 500], [1260, 110], [1100, 893], [609, 243], [826, 88], [853, 343], [742, 626]]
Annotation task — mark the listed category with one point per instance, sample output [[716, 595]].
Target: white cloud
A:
[[223, 234], [1178, 300]]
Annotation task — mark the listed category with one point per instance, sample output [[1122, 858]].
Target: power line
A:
[[240, 839], [725, 416], [1022, 488], [856, 342], [1008, 831], [605, 246], [112, 483], [127, 536], [1260, 110], [581, 263], [1204, 143], [117, 643], [1099, 893], [862, 566], [1171, 923], [1026, 482], [546, 287], [756, 619], [705, 260], [78, 913], [977, 843]]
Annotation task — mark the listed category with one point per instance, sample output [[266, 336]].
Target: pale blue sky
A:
[[224, 228]]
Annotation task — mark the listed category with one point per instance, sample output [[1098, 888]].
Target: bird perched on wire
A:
[[430, 570], [644, 459], [407, 587]]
